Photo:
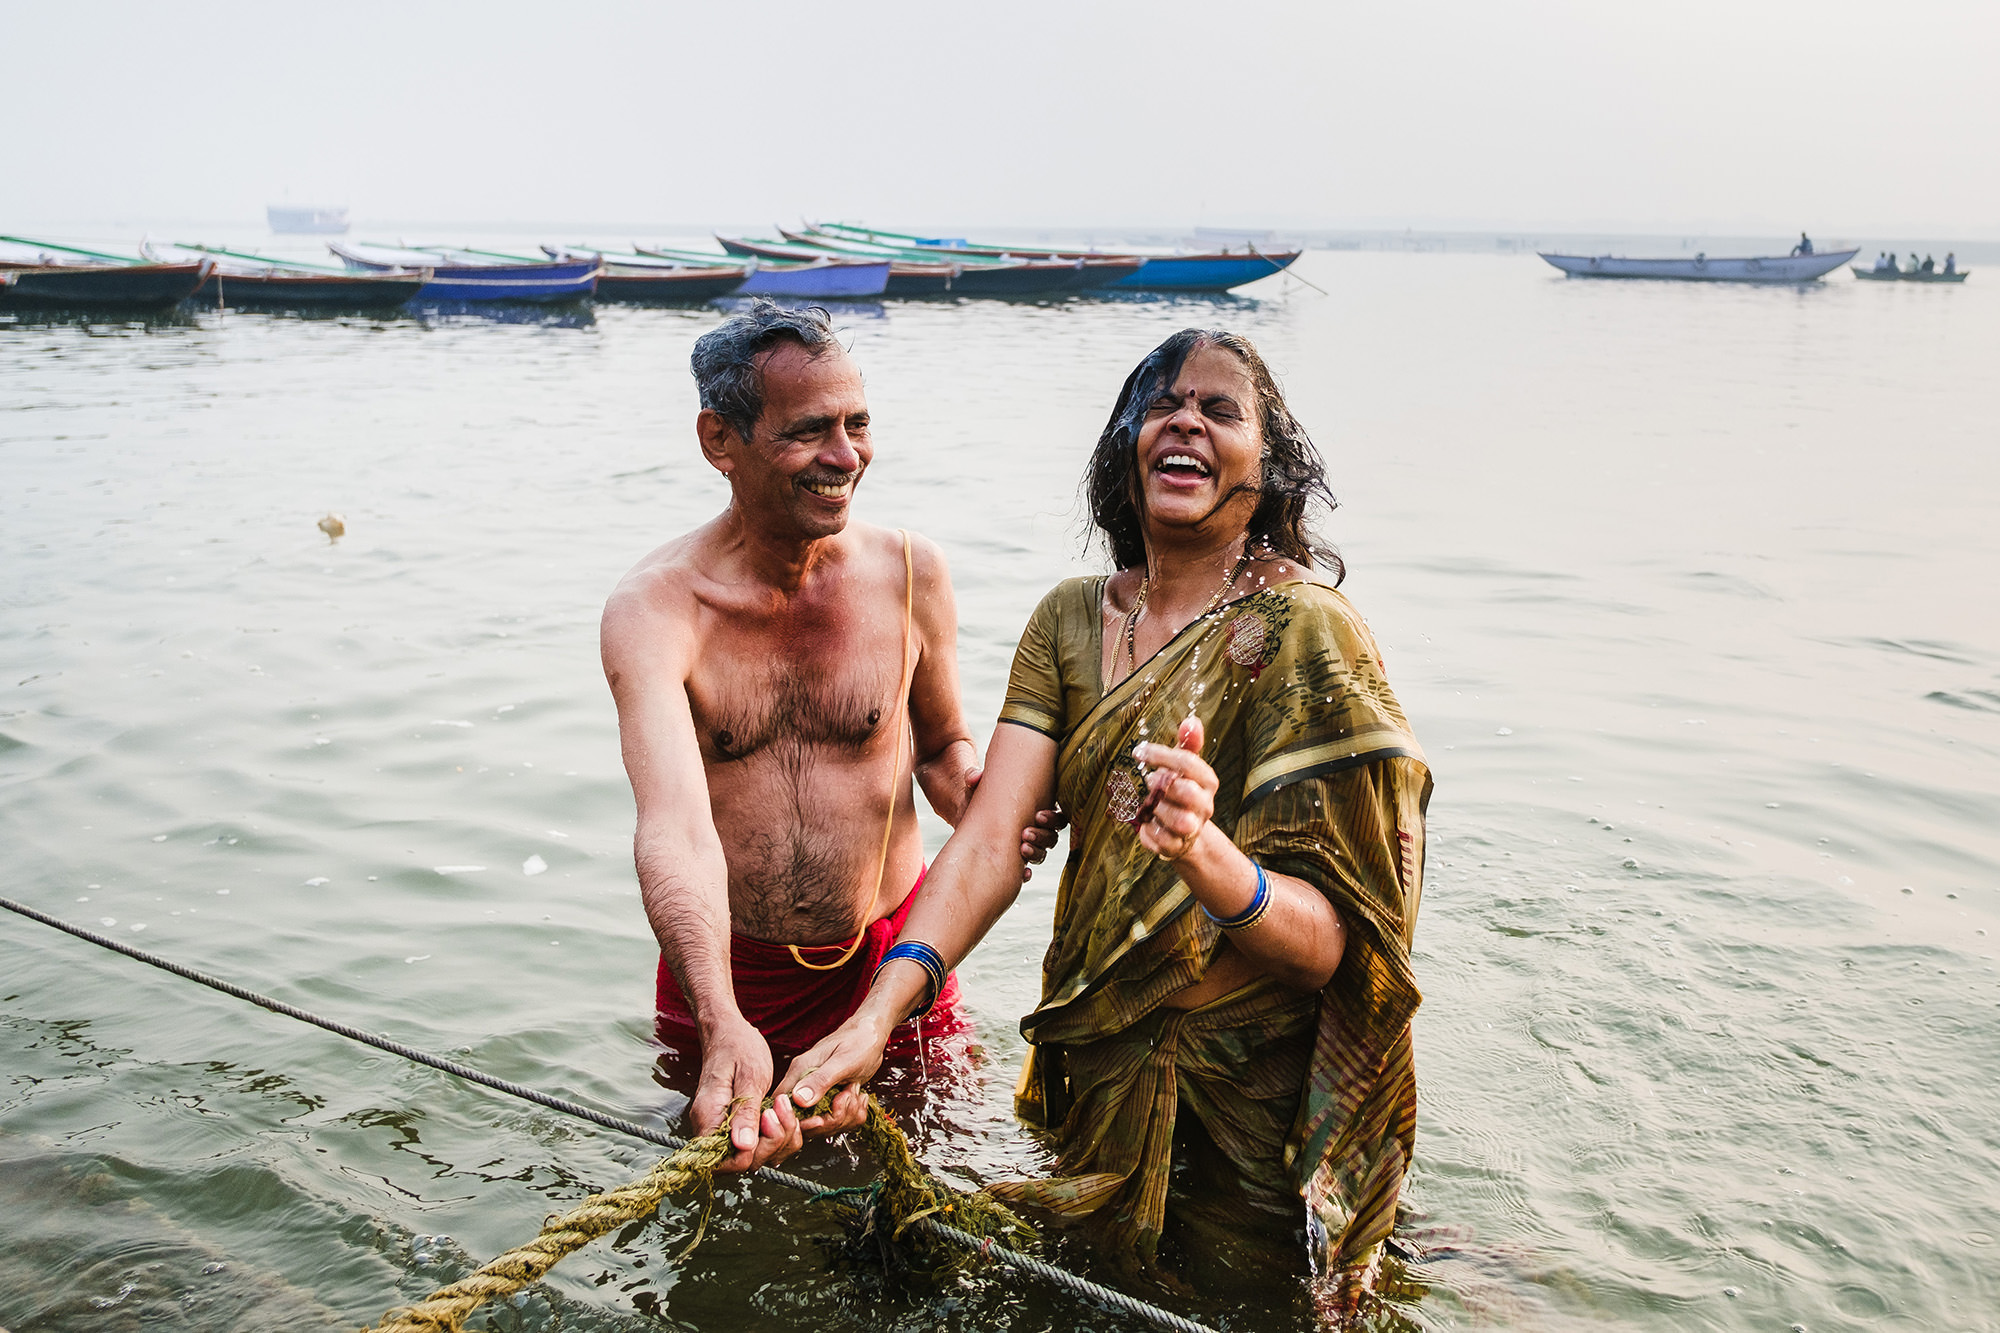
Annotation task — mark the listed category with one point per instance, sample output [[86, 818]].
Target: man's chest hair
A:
[[786, 707]]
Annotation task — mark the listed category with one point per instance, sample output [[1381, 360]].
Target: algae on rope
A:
[[906, 1192]]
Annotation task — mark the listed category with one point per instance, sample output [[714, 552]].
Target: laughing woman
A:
[[1222, 1047]]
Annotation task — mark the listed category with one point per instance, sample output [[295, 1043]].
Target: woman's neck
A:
[[1183, 578]]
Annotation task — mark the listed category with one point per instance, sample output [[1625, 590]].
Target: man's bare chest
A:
[[783, 696]]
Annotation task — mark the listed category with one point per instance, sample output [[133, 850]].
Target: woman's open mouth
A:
[[1182, 469]]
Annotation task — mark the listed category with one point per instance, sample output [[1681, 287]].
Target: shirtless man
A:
[[781, 674]]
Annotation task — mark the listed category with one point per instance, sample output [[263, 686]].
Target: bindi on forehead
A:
[[1211, 371]]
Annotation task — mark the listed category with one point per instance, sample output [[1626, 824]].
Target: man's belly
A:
[[804, 845]]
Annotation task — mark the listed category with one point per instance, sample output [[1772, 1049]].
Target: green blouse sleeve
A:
[[1034, 688]]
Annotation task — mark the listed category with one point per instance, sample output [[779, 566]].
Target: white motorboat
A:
[[306, 221], [1701, 268]]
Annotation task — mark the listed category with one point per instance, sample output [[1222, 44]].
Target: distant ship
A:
[[307, 221]]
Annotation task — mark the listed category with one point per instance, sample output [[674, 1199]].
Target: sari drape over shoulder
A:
[[1302, 1098]]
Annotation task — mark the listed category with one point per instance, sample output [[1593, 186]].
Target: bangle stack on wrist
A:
[[1252, 914], [916, 951]]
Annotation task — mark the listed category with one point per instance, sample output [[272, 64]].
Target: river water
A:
[[1686, 590]]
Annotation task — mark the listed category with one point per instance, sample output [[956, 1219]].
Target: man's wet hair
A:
[[725, 358], [1292, 481]]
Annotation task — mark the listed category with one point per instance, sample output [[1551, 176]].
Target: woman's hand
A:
[[845, 1058], [1180, 793]]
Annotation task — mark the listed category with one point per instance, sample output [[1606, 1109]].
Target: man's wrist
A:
[[719, 1020]]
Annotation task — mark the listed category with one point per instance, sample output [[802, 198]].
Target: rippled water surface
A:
[[1687, 590]]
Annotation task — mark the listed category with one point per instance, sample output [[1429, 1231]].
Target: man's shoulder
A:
[[656, 595]]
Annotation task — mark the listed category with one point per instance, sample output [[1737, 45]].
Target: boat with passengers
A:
[[1809, 267]]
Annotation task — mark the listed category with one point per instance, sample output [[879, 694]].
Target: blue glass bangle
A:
[[1252, 914], [916, 951]]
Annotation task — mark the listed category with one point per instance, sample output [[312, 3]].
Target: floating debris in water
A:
[[534, 865], [334, 526], [317, 880]]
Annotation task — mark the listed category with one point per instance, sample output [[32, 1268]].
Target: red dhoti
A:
[[795, 1006]]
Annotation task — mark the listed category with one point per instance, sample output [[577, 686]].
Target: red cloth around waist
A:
[[795, 1006]]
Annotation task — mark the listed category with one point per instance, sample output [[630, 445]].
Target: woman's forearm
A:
[[1298, 939], [977, 875]]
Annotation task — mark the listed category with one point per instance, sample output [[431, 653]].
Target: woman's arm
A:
[[975, 879], [1298, 937]]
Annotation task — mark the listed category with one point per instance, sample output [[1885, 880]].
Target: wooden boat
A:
[[306, 221], [1165, 271], [1701, 268], [826, 278], [1901, 275], [128, 286], [540, 282], [980, 275], [638, 278], [255, 282], [906, 277]]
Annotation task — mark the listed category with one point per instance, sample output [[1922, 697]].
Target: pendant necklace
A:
[[1139, 606]]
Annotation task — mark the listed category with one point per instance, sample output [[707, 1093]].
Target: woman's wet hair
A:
[[1291, 481], [725, 358]]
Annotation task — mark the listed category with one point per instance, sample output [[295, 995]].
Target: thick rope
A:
[[1080, 1287], [446, 1309]]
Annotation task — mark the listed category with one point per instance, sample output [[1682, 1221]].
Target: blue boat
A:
[[453, 283], [1202, 273]]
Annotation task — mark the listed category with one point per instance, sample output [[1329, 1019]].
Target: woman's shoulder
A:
[[1308, 616], [1073, 599]]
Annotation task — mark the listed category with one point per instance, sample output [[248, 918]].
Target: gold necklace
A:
[[1139, 607]]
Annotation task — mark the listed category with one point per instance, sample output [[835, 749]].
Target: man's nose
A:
[[841, 451]]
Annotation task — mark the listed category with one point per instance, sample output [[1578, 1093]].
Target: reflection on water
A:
[[1679, 586]]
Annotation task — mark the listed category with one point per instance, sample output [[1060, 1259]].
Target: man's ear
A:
[[716, 435]]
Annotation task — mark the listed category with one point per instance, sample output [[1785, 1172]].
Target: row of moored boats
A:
[[832, 261]]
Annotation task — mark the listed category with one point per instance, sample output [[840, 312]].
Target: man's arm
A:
[[683, 879], [947, 765]]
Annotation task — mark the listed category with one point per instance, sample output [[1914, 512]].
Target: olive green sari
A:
[[1296, 1098]]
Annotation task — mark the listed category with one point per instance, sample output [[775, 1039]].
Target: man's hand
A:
[[1039, 838], [736, 1072]]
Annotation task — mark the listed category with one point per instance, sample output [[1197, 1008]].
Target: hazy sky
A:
[[1701, 114]]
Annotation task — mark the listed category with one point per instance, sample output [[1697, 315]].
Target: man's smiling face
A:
[[798, 471]]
